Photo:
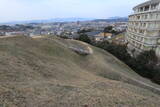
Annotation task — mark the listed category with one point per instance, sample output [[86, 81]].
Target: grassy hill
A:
[[45, 72]]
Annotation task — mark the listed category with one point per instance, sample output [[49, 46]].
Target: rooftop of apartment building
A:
[[147, 3]]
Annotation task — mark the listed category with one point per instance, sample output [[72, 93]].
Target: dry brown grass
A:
[[44, 72]]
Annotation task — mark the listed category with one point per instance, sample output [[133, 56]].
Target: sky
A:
[[22, 10]]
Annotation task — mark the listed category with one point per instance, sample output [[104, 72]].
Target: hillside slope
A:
[[45, 72]]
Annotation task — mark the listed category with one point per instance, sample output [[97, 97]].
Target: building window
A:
[[144, 24], [141, 9], [141, 31], [157, 15], [146, 16], [158, 41], [154, 6], [138, 17], [146, 8]]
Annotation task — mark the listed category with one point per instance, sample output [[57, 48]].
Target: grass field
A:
[[44, 72]]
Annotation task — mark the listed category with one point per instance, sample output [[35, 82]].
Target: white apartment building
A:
[[143, 32]]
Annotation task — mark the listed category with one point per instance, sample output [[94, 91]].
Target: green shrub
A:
[[145, 64], [84, 38]]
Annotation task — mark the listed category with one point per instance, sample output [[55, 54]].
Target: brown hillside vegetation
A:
[[45, 72]]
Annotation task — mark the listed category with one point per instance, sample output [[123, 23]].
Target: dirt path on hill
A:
[[6, 36], [36, 37]]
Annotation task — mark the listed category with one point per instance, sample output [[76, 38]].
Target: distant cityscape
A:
[[68, 29]]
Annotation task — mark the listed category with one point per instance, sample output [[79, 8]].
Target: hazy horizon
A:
[[26, 10]]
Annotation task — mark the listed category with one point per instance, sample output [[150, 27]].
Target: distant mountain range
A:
[[112, 19], [50, 20]]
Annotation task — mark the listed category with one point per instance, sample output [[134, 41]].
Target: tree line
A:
[[145, 64]]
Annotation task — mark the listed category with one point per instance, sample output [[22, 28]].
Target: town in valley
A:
[[94, 29]]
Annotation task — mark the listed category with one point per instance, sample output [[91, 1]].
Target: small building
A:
[[107, 35], [99, 36], [2, 33], [95, 36]]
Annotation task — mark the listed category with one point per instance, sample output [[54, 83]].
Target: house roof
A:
[[108, 34], [93, 33]]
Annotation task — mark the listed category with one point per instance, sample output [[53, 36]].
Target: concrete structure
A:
[[143, 32]]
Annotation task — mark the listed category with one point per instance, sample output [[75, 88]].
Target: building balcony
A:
[[143, 35], [132, 46], [144, 28], [143, 42], [145, 20], [147, 11]]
